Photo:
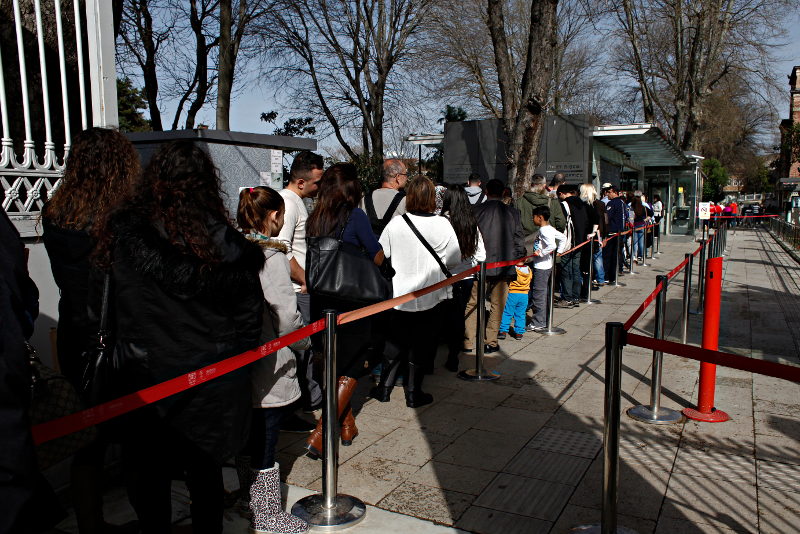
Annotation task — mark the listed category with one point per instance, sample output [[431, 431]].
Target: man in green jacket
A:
[[537, 196]]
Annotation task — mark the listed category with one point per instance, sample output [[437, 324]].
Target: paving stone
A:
[[525, 496], [481, 395], [448, 419], [777, 449], [671, 525], [298, 470], [566, 442], [485, 521], [369, 478], [577, 422], [574, 516], [550, 466], [777, 425], [716, 465], [779, 476], [779, 511], [408, 446], [453, 477], [481, 449], [536, 404], [705, 500], [434, 504], [523, 423]]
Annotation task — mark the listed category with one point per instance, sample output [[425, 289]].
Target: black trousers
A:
[[454, 320], [412, 337], [264, 434], [352, 339], [157, 464]]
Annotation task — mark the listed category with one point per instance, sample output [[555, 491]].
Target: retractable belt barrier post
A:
[[649, 230], [551, 330], [630, 251], [687, 291], [708, 371], [655, 413], [658, 236], [330, 510], [480, 373], [613, 402]]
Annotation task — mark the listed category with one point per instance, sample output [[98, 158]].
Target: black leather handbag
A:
[[340, 270], [96, 385]]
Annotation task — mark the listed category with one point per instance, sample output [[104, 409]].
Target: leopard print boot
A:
[[245, 481], [265, 501]]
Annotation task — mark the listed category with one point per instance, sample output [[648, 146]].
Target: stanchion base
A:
[[618, 285], [554, 331], [716, 416], [472, 374], [595, 529], [695, 312], [664, 416], [593, 301], [348, 512]]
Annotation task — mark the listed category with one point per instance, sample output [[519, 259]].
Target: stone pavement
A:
[[522, 454]]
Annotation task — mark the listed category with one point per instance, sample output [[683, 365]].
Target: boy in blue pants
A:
[[516, 303]]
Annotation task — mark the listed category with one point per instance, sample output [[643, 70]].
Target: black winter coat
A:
[[174, 316], [501, 228], [70, 254]]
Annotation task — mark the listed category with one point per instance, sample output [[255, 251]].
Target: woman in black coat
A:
[[99, 167], [186, 295]]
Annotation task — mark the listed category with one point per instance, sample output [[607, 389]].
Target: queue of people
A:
[[190, 286]]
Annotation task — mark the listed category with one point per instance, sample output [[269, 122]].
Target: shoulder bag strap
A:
[[393, 206], [480, 198], [104, 307], [341, 234], [429, 248], [370, 205]]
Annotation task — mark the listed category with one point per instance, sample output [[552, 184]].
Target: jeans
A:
[[571, 276], [264, 437], [497, 289], [514, 309], [597, 258], [540, 287], [638, 244], [309, 389]]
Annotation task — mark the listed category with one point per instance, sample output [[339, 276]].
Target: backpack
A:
[[569, 230], [378, 223]]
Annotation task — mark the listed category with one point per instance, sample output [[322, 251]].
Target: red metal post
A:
[[708, 371]]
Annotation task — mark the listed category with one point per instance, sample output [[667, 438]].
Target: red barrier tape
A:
[[643, 306], [734, 361], [80, 420], [677, 269]]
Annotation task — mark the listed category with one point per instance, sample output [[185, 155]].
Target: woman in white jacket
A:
[[414, 324], [274, 377]]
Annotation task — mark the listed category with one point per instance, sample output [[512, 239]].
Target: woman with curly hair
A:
[[100, 166], [187, 295]]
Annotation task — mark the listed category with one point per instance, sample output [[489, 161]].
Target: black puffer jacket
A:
[[70, 254], [175, 316]]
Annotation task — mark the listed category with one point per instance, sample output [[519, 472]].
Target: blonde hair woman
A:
[[600, 230]]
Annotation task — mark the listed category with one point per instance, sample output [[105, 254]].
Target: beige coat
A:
[[274, 376]]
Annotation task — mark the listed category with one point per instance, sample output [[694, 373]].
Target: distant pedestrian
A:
[[616, 211], [577, 232], [384, 204], [474, 192], [550, 241], [502, 233], [596, 212], [516, 303]]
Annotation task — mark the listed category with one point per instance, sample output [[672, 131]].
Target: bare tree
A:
[[679, 51], [342, 57], [230, 44], [523, 117], [143, 43]]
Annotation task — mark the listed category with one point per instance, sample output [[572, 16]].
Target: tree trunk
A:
[[149, 67], [524, 125], [225, 66], [201, 68]]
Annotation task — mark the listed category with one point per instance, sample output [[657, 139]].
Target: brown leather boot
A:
[[345, 391], [349, 428]]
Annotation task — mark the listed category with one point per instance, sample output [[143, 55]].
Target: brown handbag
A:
[[53, 396]]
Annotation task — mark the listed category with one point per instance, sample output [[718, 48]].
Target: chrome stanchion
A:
[[480, 373], [652, 241], [687, 292], [330, 511], [655, 413], [700, 279], [630, 251], [617, 262], [589, 299], [723, 243], [613, 401], [551, 330]]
